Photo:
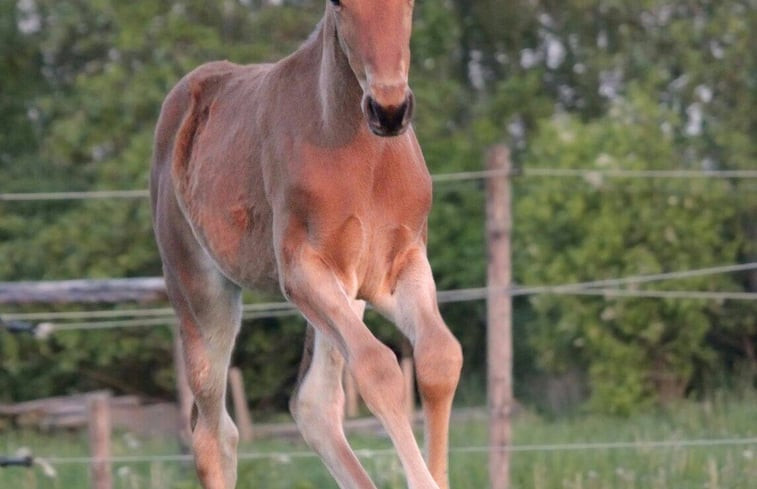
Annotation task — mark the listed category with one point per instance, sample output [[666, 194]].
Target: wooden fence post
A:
[[183, 392], [351, 397], [98, 407], [241, 411], [499, 315], [408, 372]]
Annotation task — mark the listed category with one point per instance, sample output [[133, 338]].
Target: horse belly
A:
[[218, 177], [238, 238], [223, 197]]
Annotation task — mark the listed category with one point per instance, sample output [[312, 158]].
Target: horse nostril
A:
[[388, 121], [409, 107], [399, 114], [375, 109]]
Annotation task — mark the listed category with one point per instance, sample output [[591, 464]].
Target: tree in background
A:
[[634, 350], [671, 85], [580, 83], [107, 67]]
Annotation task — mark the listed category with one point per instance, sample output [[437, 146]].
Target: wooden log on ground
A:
[[56, 404], [67, 412]]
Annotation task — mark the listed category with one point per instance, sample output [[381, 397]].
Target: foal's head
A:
[[375, 37]]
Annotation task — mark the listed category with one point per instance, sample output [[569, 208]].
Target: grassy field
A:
[[550, 454]]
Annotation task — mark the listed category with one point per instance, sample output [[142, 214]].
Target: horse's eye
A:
[[337, 3]]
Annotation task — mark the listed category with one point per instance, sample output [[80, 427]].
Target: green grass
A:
[[695, 467]]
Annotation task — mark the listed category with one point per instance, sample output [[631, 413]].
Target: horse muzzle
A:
[[389, 120]]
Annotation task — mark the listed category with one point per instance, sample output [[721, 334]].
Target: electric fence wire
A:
[[158, 316], [288, 456], [589, 174], [607, 288]]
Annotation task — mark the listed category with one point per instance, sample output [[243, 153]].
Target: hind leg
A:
[[209, 310]]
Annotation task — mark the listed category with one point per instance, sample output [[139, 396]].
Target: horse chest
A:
[[386, 182], [361, 216], [381, 188]]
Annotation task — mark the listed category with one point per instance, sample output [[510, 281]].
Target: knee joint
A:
[[302, 411], [438, 363], [377, 374]]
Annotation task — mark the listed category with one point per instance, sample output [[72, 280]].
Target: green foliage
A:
[[108, 67], [634, 349], [287, 464], [581, 83]]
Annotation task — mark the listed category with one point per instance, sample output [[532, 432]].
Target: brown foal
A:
[[306, 174]]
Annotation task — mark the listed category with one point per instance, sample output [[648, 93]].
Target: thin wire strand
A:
[[475, 294], [640, 444], [120, 313], [159, 321], [164, 316], [99, 314], [642, 279], [92, 325], [483, 292], [85, 195], [446, 297], [439, 177], [593, 173], [665, 294], [443, 296], [653, 174], [285, 457]]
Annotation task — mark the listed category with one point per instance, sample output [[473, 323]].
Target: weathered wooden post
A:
[[239, 400], [408, 372], [499, 315], [183, 392], [351, 397], [98, 408]]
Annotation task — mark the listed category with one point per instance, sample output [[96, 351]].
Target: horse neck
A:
[[338, 92]]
